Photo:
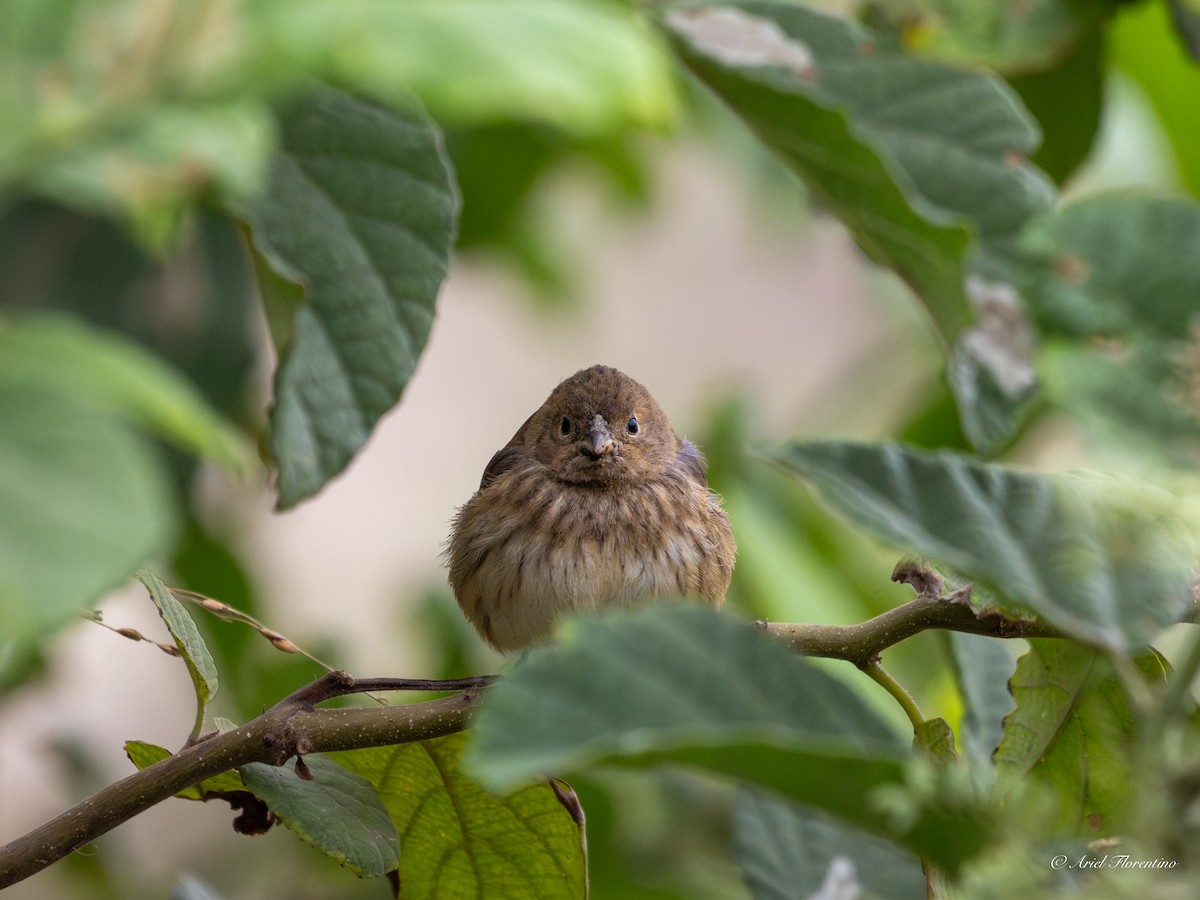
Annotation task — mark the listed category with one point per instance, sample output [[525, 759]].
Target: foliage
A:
[[311, 160]]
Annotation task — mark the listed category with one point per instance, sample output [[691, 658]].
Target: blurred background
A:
[[665, 244]]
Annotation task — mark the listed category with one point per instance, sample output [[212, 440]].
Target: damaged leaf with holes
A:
[[925, 165]]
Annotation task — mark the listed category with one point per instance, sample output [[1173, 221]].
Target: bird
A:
[[594, 503]]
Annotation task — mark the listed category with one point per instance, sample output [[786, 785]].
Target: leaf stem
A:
[[882, 677]]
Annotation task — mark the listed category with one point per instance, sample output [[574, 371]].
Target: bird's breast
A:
[[529, 548]]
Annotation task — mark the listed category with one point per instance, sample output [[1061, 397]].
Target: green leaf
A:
[[1144, 45], [1124, 269], [338, 812], [1031, 39], [936, 738], [1071, 734], [199, 661], [142, 120], [923, 163], [1119, 264], [1103, 559], [143, 754], [982, 667], [786, 850], [1186, 16], [83, 503], [1067, 100], [682, 684], [360, 212], [113, 373], [461, 840], [587, 67]]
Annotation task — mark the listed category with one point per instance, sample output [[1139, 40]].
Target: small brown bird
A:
[[595, 502]]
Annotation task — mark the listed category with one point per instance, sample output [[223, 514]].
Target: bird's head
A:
[[601, 427]]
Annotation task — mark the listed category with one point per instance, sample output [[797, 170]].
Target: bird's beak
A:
[[597, 442]]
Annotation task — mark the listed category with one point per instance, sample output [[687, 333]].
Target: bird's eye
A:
[[632, 425], [565, 426]]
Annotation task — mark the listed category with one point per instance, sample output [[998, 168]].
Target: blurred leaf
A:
[[1186, 16], [923, 163], [338, 812], [1071, 733], [460, 840], [1033, 35], [1145, 47], [982, 668], [116, 375], [199, 661], [194, 308], [83, 503], [1120, 269], [638, 846], [1103, 559], [129, 114], [360, 212], [500, 167], [1067, 101], [157, 166], [1118, 264], [586, 66], [788, 851], [682, 684], [143, 754]]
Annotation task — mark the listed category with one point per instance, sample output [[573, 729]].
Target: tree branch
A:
[[933, 607], [292, 727]]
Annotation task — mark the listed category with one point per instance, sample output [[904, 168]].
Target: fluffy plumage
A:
[[595, 502]]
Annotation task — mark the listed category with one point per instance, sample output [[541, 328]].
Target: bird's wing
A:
[[501, 462], [506, 457], [693, 463]]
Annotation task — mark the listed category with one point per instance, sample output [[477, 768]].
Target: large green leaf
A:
[[83, 503], [682, 684], [337, 811], [1124, 269], [787, 851], [458, 840], [1070, 735], [923, 163], [360, 212], [113, 373], [586, 66], [1103, 559]]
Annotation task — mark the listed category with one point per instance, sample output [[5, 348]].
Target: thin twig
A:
[[94, 615], [228, 613]]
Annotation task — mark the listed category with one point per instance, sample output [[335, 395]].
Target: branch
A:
[[292, 727], [861, 644]]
